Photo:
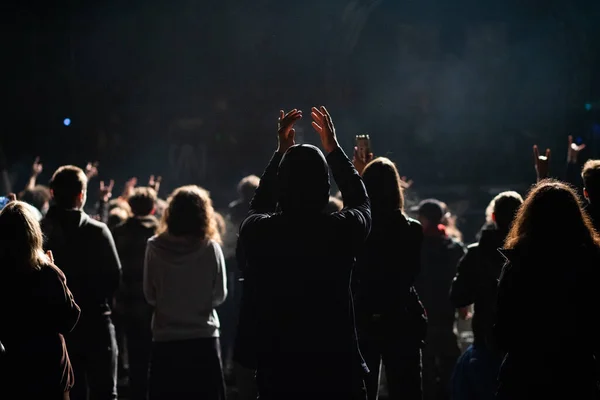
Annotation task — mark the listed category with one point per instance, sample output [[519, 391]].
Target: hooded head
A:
[[303, 179]]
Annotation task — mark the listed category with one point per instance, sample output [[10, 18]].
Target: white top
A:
[[184, 279]]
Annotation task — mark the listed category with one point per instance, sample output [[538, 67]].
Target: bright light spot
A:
[[67, 122], [588, 106]]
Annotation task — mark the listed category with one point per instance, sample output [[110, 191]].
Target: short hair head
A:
[[248, 186], [591, 180], [69, 186], [505, 207], [142, 201], [431, 210]]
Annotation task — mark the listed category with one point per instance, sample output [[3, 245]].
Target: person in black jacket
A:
[[552, 272], [391, 320], [475, 284], [131, 238], [300, 260], [439, 256], [85, 250], [38, 310]]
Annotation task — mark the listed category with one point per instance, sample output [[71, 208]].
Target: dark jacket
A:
[[476, 282], [41, 309], [85, 250], [386, 271], [548, 323], [300, 261], [131, 238], [440, 255]]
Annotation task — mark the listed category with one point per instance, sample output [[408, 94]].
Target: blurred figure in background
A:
[[39, 310], [439, 257], [591, 182], [391, 320], [85, 250], [131, 238], [476, 284], [552, 269], [185, 280]]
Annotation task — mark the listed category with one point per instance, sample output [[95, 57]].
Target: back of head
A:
[[382, 182], [552, 217], [505, 207], [20, 238], [143, 201], [247, 187], [591, 180], [39, 197], [431, 212], [190, 213], [303, 180], [67, 183]]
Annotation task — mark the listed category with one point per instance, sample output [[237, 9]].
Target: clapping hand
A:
[[323, 124], [542, 163], [285, 129]]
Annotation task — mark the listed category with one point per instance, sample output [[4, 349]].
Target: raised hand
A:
[[36, 168], [358, 161], [324, 126], [285, 129], [154, 183], [574, 149], [106, 190], [129, 187], [542, 163], [91, 169], [406, 183]]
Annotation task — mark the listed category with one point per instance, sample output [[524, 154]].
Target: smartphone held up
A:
[[363, 147]]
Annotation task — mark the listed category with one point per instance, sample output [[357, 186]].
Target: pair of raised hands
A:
[[542, 162], [321, 122]]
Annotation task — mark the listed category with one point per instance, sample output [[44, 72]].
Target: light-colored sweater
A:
[[184, 279]]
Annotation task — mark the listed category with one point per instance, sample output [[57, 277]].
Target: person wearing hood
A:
[[185, 280], [476, 283], [131, 238], [299, 259], [85, 250]]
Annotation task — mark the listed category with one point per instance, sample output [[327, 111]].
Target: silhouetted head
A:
[[382, 182], [190, 213], [591, 180], [430, 213], [247, 187], [69, 187], [504, 208], [303, 180], [143, 201], [551, 216], [20, 238]]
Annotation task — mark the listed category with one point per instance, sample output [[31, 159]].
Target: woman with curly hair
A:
[[185, 280], [552, 274]]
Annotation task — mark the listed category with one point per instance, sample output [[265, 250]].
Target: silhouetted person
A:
[[391, 320], [552, 273], [38, 310], [300, 261], [85, 250], [439, 256], [591, 190], [475, 284], [185, 280], [131, 238]]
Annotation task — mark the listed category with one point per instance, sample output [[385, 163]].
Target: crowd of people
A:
[[295, 293]]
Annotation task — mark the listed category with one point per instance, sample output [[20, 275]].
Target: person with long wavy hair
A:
[[38, 310], [185, 280], [391, 319], [552, 275]]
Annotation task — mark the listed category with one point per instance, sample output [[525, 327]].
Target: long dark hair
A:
[[383, 185], [552, 214]]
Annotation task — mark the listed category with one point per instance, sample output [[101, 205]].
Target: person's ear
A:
[[494, 217], [586, 194]]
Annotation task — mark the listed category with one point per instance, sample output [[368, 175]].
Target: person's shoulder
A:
[[92, 224]]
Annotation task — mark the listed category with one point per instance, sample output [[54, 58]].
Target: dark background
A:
[[456, 92]]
